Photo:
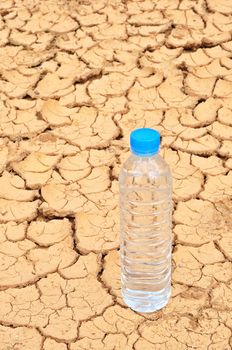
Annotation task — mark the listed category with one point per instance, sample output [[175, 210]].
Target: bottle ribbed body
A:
[[145, 225]]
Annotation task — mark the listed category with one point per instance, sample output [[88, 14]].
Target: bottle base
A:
[[143, 301]]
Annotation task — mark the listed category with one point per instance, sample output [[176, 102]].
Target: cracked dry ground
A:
[[76, 78]]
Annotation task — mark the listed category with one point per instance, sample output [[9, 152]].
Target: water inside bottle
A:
[[145, 203]]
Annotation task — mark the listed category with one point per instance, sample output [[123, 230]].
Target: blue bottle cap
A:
[[144, 142]]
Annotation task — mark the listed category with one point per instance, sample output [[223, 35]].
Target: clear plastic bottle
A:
[[145, 222]]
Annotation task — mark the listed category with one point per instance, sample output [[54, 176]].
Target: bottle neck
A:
[[146, 155]]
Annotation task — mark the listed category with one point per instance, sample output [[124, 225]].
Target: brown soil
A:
[[75, 78]]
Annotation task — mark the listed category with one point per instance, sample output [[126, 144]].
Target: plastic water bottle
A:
[[145, 223]]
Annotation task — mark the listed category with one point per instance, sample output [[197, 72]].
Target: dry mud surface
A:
[[76, 78]]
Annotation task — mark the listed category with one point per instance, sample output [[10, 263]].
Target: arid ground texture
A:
[[76, 77]]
